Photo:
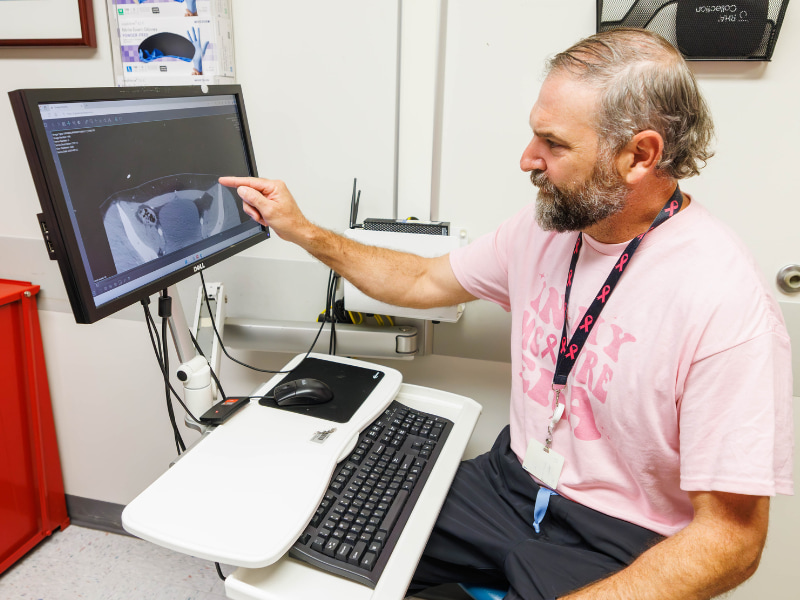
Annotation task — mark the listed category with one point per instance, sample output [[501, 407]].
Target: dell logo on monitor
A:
[[199, 267]]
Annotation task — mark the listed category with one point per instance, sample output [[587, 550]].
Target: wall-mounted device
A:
[[408, 226], [702, 29]]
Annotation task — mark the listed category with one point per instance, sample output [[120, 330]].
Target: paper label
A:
[[319, 437], [544, 465]]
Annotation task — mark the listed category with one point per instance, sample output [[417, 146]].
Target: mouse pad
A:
[[350, 385]]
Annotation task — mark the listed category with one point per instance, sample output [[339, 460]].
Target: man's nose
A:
[[531, 158]]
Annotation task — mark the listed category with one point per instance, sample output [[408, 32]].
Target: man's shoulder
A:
[[700, 236], [719, 273]]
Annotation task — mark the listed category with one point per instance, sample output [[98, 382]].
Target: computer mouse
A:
[[302, 392]]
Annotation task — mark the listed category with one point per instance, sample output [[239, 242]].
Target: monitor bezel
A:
[[60, 237]]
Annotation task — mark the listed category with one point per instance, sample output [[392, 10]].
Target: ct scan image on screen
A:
[[164, 216]]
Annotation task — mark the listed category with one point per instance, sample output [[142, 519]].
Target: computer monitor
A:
[[127, 182]]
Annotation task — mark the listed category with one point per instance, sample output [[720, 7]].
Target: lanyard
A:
[[568, 355], [569, 352]]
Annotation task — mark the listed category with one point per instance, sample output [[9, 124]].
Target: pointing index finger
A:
[[263, 186]]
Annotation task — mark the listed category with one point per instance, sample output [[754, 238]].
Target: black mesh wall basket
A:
[[702, 29]]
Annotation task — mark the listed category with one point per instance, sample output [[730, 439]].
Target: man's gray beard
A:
[[602, 195]]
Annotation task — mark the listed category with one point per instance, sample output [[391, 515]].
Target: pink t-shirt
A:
[[684, 383]]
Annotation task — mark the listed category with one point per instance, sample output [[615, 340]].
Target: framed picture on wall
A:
[[47, 23]]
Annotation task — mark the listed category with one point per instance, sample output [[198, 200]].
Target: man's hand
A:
[[717, 551], [271, 204]]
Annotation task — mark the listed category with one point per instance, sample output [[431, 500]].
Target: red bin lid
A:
[[12, 291]]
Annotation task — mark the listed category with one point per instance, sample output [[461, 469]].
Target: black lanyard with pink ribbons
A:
[[569, 352]]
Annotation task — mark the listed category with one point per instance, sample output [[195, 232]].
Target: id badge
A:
[[545, 466]]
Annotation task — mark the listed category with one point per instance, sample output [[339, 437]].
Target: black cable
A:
[[165, 358], [153, 330], [330, 311], [219, 337], [319, 331], [219, 571], [155, 339]]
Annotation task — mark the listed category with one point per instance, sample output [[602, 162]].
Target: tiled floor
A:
[[85, 564]]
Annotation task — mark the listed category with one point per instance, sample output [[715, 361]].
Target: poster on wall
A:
[[47, 23]]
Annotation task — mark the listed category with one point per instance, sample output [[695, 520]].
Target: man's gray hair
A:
[[644, 83]]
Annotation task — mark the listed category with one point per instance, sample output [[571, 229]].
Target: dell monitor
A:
[[127, 182]]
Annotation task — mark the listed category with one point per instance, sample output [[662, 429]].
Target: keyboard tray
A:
[[246, 491]]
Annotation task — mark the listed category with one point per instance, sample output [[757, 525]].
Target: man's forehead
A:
[[564, 105]]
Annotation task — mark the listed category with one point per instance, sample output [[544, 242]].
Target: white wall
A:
[[321, 83]]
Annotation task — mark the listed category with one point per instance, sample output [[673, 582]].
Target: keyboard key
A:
[[319, 544], [394, 511], [343, 551], [330, 547], [368, 561], [357, 553], [318, 516]]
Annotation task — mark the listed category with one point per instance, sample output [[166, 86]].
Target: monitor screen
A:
[[127, 181]]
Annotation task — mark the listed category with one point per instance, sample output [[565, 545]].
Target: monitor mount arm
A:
[[194, 371]]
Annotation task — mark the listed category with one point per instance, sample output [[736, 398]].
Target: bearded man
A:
[[651, 414]]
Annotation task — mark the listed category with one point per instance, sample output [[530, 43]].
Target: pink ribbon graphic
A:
[[604, 293], [621, 264]]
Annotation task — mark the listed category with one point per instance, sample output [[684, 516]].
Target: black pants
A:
[[484, 535]]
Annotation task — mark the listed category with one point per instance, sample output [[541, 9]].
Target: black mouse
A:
[[302, 392]]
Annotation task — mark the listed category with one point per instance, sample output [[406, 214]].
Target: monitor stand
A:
[[194, 371]]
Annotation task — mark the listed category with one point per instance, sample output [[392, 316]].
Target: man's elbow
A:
[[750, 560], [751, 557], [737, 527], [747, 550]]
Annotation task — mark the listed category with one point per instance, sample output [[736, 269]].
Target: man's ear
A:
[[640, 156]]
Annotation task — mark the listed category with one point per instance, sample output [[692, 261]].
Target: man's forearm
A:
[[677, 568], [392, 277], [386, 275], [703, 560]]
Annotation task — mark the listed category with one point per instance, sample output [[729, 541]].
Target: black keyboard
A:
[[372, 494]]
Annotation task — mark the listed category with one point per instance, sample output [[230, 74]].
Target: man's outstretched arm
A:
[[717, 551], [393, 277]]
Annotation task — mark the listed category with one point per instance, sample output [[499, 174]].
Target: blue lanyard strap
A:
[[568, 355]]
